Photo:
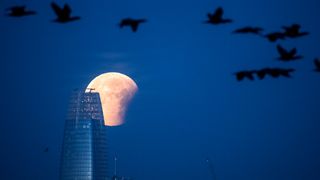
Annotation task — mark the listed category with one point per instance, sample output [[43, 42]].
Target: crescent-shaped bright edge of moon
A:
[[116, 91]]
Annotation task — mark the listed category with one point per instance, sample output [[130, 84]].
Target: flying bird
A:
[[286, 55], [316, 62], [19, 11], [274, 72], [248, 29], [263, 72], [63, 14], [273, 37], [133, 23], [244, 74], [268, 71], [293, 31], [216, 17], [284, 72]]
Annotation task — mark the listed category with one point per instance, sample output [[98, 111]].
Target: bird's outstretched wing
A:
[[218, 13], [317, 63], [274, 73], [285, 72], [57, 10], [296, 26], [263, 72], [142, 20], [281, 50], [244, 74], [67, 10], [304, 33], [293, 51], [248, 29], [16, 8]]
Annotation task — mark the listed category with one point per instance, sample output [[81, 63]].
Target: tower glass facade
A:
[[84, 149]]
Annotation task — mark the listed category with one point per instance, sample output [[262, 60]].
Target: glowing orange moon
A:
[[116, 91]]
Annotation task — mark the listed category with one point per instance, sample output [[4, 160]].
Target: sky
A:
[[189, 106]]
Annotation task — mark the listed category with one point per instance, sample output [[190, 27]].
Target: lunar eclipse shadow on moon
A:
[[116, 91]]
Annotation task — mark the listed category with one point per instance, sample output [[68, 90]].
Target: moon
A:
[[116, 90]]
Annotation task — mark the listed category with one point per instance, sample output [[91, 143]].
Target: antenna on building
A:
[[115, 177], [211, 168], [90, 89], [115, 165]]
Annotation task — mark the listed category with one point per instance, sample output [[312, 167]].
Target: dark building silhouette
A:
[[84, 150]]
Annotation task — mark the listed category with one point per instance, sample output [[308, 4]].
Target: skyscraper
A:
[[84, 149]]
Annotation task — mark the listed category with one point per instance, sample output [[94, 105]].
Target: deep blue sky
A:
[[189, 105]]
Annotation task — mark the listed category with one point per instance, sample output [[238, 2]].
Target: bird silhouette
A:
[[249, 29], [263, 72], [284, 72], [63, 14], [316, 62], [273, 37], [216, 17], [274, 72], [287, 55], [293, 31], [245, 74], [19, 11], [133, 23]]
